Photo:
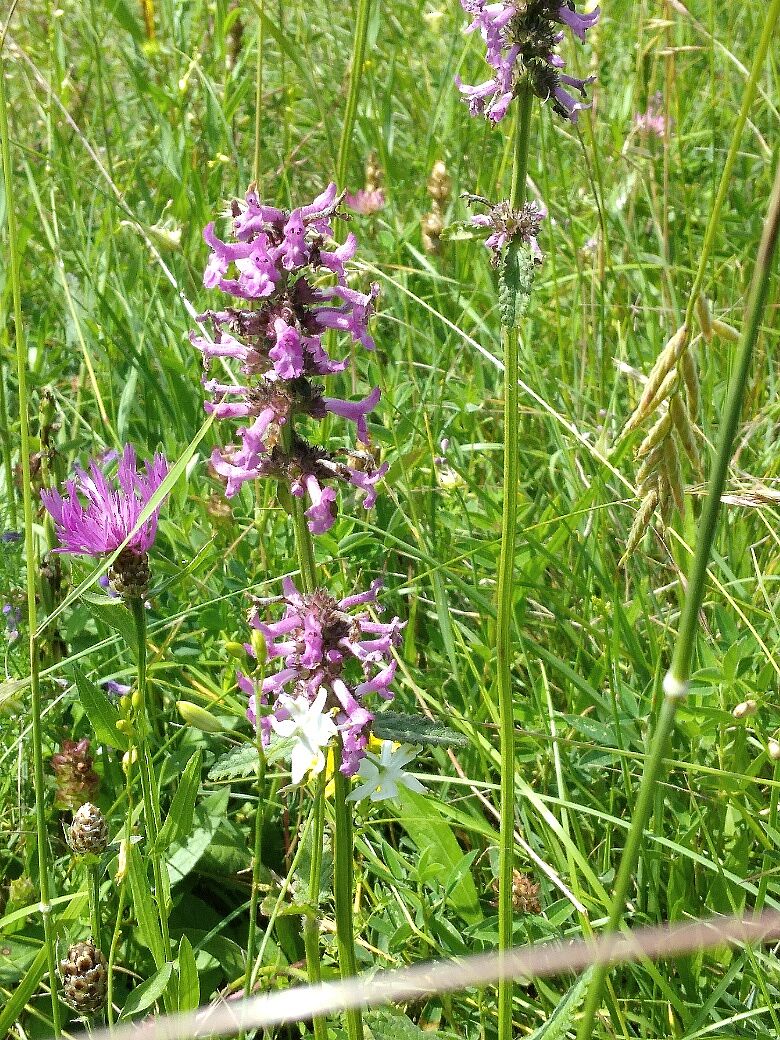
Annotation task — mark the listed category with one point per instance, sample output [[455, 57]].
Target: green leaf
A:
[[416, 729], [148, 992], [178, 822], [422, 821], [241, 763], [143, 905], [515, 280], [100, 711], [189, 983], [561, 1020], [183, 856], [112, 612]]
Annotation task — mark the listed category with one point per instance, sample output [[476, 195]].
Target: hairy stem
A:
[[505, 595], [342, 889], [31, 564], [676, 681]]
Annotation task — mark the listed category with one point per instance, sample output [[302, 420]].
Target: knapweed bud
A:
[[773, 750], [743, 710], [525, 894], [130, 575], [88, 834], [84, 976], [199, 718]]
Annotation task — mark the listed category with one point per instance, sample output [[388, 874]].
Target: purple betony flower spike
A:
[[520, 41], [332, 658]]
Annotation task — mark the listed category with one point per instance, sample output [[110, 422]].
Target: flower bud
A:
[[199, 718], [235, 649], [84, 978], [257, 641], [773, 750], [88, 834], [743, 710]]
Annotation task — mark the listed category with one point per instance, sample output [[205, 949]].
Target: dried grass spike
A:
[[725, 331], [656, 435], [690, 376], [673, 473], [704, 316], [640, 524], [684, 428], [647, 473]]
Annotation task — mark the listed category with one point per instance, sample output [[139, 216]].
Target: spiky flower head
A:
[[521, 40], [507, 225], [96, 514], [333, 660], [88, 833], [84, 976]]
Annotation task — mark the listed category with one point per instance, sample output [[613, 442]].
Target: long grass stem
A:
[[31, 564], [505, 593], [677, 679]]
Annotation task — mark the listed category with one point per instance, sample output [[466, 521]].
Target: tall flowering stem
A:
[[355, 76], [676, 682], [44, 880], [290, 268], [505, 590]]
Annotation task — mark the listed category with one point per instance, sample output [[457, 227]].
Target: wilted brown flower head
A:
[[77, 782]]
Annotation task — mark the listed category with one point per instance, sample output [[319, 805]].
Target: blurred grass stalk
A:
[[31, 561], [677, 680], [506, 586]]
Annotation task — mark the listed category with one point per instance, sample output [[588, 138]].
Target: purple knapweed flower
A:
[[332, 660], [520, 41], [101, 519], [11, 537]]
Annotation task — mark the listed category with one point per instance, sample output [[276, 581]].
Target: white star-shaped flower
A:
[[310, 729], [383, 774]]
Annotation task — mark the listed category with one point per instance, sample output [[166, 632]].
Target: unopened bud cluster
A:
[[84, 976], [88, 833]]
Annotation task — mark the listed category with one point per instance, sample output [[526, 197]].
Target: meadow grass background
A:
[[172, 121]]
